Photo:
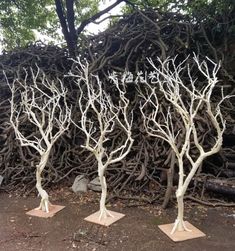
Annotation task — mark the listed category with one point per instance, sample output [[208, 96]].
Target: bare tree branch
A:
[[170, 83], [93, 98], [44, 104]]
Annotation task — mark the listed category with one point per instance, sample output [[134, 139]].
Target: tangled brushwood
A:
[[150, 170]]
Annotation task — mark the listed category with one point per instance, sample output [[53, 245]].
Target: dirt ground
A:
[[137, 231]]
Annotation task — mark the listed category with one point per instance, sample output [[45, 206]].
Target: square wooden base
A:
[[94, 218], [184, 235], [53, 209]]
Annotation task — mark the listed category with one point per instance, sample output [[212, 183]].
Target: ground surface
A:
[[137, 231]]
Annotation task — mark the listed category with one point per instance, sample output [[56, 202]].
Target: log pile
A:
[[124, 46]]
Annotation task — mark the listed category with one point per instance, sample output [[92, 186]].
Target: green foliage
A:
[[144, 5], [209, 8], [22, 18], [85, 9], [191, 7]]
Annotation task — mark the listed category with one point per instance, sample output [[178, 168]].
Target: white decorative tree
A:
[[42, 103], [184, 100], [105, 117]]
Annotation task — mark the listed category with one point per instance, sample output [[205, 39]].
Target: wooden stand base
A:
[[184, 235], [53, 209], [94, 218]]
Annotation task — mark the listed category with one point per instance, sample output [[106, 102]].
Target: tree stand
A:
[[184, 235], [53, 209], [105, 221], [181, 230], [104, 217]]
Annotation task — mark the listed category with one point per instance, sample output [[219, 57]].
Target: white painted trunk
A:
[[182, 188], [104, 213], [44, 204], [179, 224], [180, 217], [103, 194]]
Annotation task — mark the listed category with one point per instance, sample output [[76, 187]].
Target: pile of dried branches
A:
[[124, 46]]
